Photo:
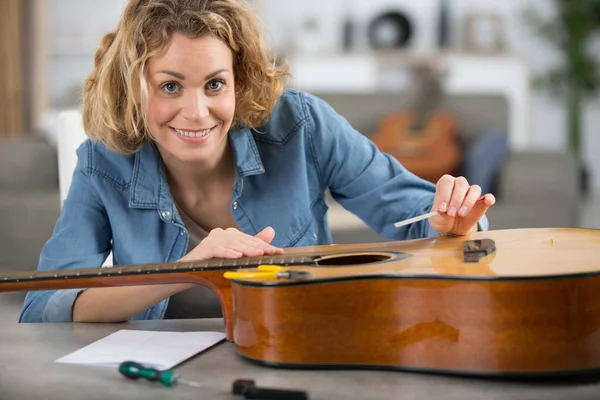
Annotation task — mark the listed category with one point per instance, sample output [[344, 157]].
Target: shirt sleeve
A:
[[372, 185], [81, 238]]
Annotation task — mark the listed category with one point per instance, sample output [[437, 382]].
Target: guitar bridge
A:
[[474, 250]]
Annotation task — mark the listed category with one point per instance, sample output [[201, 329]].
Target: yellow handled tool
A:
[[267, 272], [270, 267], [264, 271], [249, 274]]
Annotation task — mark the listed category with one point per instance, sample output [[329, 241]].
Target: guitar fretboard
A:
[[159, 268]]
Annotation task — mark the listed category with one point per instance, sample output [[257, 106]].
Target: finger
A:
[[489, 200], [247, 244], [461, 186], [263, 240], [207, 251], [240, 241], [270, 250], [471, 197], [235, 240], [225, 252], [249, 239], [248, 250], [469, 221], [443, 193], [248, 247], [482, 203], [267, 235]]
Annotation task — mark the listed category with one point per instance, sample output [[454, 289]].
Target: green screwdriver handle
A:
[[134, 370]]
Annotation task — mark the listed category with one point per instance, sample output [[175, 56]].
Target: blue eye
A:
[[170, 87], [215, 85]]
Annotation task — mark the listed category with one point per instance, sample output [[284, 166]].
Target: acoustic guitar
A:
[[423, 138], [505, 303]]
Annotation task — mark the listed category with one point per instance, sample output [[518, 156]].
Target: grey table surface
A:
[[28, 353]]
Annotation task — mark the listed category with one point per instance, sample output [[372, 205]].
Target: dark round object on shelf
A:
[[390, 30]]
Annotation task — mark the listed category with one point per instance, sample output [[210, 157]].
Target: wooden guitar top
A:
[[520, 253]]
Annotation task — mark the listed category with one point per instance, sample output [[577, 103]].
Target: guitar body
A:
[[422, 138], [508, 302], [530, 308], [429, 152]]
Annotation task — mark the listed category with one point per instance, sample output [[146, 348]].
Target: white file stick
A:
[[415, 219]]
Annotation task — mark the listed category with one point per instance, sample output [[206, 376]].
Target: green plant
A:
[[578, 76]]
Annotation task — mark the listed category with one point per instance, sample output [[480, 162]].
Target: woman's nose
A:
[[196, 106]]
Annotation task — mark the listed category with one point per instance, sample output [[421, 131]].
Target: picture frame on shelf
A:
[[484, 33]]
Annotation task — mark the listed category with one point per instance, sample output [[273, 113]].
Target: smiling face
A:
[[191, 99]]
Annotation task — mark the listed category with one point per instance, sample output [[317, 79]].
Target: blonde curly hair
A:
[[115, 94]]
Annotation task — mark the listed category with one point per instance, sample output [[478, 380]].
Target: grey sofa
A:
[[29, 200]]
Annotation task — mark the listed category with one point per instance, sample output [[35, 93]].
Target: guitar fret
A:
[[155, 268], [11, 277]]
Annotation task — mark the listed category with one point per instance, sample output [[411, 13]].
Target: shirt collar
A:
[[149, 188], [245, 152]]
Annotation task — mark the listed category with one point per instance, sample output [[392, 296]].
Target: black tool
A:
[[246, 388]]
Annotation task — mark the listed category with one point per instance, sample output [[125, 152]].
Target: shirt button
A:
[[235, 205], [166, 214], [315, 235]]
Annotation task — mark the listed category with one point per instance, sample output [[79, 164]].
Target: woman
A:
[[197, 151]]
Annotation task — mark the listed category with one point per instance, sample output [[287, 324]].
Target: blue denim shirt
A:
[[123, 203]]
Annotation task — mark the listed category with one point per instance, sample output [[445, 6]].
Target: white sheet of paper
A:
[[160, 350]]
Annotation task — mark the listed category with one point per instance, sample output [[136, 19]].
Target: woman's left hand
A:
[[459, 210]]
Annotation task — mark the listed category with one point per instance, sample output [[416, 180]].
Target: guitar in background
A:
[[423, 138]]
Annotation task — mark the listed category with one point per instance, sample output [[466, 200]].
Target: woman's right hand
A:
[[115, 304], [232, 243]]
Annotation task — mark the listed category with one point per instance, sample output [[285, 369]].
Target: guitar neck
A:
[[142, 274], [428, 97]]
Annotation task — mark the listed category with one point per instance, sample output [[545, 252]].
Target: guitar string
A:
[[132, 269]]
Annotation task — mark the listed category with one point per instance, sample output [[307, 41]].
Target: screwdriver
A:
[[134, 370]]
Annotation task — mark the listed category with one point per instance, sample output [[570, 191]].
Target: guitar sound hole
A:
[[342, 260]]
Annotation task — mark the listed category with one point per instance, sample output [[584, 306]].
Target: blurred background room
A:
[[502, 92]]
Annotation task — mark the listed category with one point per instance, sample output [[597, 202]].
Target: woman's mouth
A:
[[193, 135]]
